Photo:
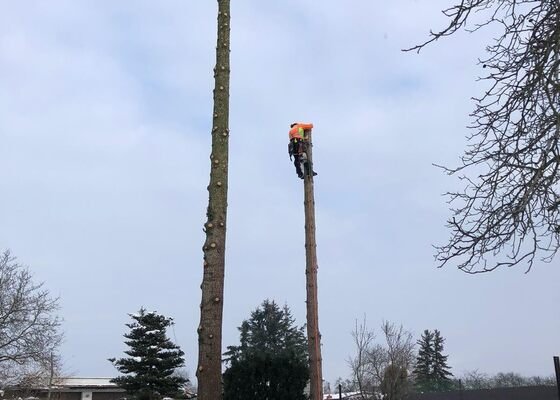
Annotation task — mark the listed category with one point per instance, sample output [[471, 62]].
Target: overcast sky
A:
[[105, 119]]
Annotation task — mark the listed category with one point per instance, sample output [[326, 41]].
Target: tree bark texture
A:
[[313, 334], [209, 370]]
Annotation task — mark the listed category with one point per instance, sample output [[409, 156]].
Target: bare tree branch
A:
[[509, 210], [29, 326], [361, 368], [373, 361]]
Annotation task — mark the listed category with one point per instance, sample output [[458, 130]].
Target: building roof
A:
[[346, 395], [72, 382]]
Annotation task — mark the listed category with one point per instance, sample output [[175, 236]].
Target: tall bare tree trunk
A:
[[313, 335], [209, 371]]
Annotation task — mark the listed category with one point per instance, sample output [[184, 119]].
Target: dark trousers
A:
[[298, 148], [297, 163]]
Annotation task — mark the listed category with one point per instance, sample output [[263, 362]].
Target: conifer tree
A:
[[271, 361], [153, 359], [440, 370], [423, 379], [431, 373]]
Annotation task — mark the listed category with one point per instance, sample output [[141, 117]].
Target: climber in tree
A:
[[298, 143]]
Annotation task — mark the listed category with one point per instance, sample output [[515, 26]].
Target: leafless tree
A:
[[33, 377], [478, 380], [392, 361], [188, 387], [374, 361], [509, 210], [29, 325], [346, 385], [361, 373], [509, 379], [541, 381]]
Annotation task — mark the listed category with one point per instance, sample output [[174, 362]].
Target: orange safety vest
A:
[[298, 131]]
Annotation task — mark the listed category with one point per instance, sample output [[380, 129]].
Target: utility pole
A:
[[51, 375], [557, 370], [313, 334]]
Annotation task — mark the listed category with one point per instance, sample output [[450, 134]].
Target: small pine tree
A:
[[440, 370], [423, 380], [153, 359], [271, 361]]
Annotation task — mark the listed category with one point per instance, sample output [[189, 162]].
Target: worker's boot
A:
[[299, 171], [309, 169]]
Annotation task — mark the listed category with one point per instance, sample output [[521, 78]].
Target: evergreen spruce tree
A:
[[271, 361], [423, 377], [153, 359], [440, 370]]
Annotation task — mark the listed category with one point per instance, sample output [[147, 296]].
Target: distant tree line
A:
[[478, 380], [388, 366]]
